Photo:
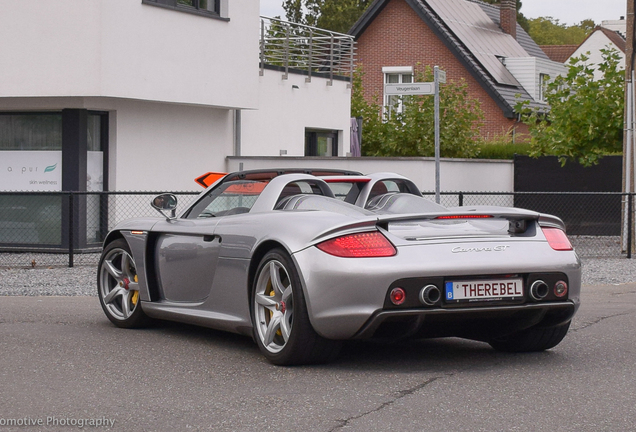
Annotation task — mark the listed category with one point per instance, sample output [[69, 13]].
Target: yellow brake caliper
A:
[[135, 296], [271, 313]]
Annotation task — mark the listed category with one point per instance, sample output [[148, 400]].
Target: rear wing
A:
[[517, 218]]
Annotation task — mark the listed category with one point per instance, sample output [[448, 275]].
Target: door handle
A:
[[208, 238]]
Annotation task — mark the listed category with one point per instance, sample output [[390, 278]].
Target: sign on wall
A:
[[30, 170]]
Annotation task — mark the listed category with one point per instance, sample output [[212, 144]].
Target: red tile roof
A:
[[559, 53], [613, 36]]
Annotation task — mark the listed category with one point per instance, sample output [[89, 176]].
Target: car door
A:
[[187, 248], [186, 256]]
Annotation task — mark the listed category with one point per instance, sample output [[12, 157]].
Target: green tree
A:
[[335, 15], [411, 132], [585, 120], [549, 31]]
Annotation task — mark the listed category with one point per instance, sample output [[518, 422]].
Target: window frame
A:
[[401, 71], [195, 9], [544, 80], [311, 141]]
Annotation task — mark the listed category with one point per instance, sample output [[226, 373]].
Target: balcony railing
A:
[[304, 49]]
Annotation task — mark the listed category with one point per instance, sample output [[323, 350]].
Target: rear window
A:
[[403, 203], [321, 203]]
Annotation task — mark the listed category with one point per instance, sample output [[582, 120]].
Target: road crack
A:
[[400, 394], [622, 293], [598, 320]]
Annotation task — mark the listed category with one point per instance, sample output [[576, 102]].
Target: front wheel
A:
[[118, 287], [532, 339], [280, 320]]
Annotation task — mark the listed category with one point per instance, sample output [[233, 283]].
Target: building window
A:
[[321, 143], [395, 75], [202, 5], [543, 86], [211, 8], [53, 152]]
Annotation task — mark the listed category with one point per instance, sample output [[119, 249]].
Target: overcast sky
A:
[[566, 11]]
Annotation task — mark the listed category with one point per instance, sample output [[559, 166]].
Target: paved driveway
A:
[[62, 361]]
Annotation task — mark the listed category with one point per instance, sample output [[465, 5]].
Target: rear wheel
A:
[[118, 287], [279, 315], [532, 339]]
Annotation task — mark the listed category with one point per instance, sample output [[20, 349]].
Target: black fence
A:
[[67, 228]]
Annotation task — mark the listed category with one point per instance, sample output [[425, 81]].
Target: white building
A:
[[122, 95], [600, 38], [148, 92], [619, 25]]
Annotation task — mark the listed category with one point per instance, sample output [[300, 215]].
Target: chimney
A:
[[508, 17]]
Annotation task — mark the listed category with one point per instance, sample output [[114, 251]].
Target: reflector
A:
[[206, 180], [398, 296], [560, 289]]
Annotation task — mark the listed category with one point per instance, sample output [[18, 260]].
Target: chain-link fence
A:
[[593, 220], [67, 228]]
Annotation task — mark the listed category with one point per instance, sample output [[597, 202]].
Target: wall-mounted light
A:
[[295, 86]]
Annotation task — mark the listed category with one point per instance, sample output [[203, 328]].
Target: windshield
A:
[[233, 197]]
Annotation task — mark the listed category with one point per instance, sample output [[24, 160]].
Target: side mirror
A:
[[166, 204]]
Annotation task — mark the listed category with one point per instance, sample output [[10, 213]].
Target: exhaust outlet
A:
[[430, 294], [538, 290]]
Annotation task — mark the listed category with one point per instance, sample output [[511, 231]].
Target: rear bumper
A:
[[475, 323], [346, 296]]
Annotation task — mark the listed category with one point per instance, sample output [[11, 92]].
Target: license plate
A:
[[484, 290]]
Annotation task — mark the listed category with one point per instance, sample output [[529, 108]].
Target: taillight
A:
[[557, 239], [471, 216], [360, 245]]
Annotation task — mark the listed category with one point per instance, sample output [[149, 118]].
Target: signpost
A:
[[425, 88], [437, 156]]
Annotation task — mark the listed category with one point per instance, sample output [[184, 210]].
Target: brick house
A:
[[469, 39]]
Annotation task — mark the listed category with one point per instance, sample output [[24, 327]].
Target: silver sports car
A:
[[303, 261]]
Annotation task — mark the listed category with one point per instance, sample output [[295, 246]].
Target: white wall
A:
[[465, 175], [594, 44], [527, 71], [616, 25], [165, 147], [153, 146], [123, 48], [284, 112]]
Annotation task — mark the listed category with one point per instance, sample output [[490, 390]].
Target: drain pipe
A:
[[237, 132]]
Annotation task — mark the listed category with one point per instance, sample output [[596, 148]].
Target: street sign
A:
[[441, 75], [426, 88]]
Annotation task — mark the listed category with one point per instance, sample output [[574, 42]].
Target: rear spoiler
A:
[[517, 218]]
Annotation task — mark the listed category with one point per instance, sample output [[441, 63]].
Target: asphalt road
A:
[[62, 361]]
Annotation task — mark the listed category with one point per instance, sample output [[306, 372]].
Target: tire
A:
[[532, 339], [117, 286], [280, 320]]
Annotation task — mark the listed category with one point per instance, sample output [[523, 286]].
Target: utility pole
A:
[[629, 137]]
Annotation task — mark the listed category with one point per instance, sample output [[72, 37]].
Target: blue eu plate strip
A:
[[449, 291]]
